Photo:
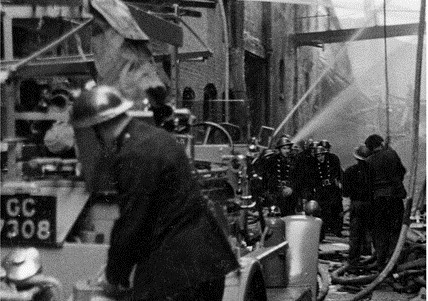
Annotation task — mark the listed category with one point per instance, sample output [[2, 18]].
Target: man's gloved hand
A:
[[338, 184], [286, 191]]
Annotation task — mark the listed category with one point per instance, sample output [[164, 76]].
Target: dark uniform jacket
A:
[[305, 175], [387, 173], [165, 227], [328, 172], [279, 171], [356, 183]]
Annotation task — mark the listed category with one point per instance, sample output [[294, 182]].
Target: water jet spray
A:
[[323, 74]]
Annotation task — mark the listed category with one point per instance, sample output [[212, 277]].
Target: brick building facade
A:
[[276, 72]]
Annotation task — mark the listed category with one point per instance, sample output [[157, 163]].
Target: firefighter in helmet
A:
[[334, 161], [386, 177], [357, 188], [305, 173], [162, 211], [279, 178], [328, 191], [326, 144]]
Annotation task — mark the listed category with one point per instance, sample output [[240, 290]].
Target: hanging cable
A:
[[386, 75]]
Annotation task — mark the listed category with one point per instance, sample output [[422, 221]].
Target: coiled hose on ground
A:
[[336, 277]]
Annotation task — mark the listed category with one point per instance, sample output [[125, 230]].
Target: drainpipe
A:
[[296, 74], [267, 20], [417, 101], [237, 64], [175, 66], [226, 59]]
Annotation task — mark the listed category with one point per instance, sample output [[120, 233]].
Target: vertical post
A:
[[11, 94], [387, 106], [267, 20], [416, 101], [226, 59], [237, 64], [10, 108], [175, 72], [7, 31], [296, 74]]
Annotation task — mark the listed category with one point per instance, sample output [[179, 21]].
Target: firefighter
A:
[[326, 144], [334, 161], [305, 173], [312, 145], [165, 228], [386, 175], [356, 187], [252, 157], [279, 178], [297, 149], [328, 193]]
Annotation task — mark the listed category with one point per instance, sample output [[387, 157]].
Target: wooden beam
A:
[[344, 35], [204, 4], [45, 2], [75, 65]]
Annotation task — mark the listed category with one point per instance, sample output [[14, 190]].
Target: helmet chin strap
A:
[[108, 132], [98, 135], [107, 147]]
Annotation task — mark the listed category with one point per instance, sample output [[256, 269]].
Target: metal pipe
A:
[[416, 100], [175, 73], [296, 76], [267, 19], [226, 59], [388, 126]]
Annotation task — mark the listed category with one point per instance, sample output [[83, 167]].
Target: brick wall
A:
[[197, 74], [301, 66]]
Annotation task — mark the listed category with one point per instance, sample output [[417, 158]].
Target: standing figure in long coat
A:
[[165, 229]]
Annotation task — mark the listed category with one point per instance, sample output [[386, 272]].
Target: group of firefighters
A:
[[307, 176], [296, 173]]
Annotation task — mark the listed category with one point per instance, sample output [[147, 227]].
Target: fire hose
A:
[[407, 273], [324, 283], [338, 279], [380, 278], [363, 279], [418, 263], [421, 281]]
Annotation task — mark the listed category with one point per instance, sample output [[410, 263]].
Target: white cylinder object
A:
[[302, 233]]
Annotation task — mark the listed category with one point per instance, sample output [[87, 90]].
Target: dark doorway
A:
[[256, 82]]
